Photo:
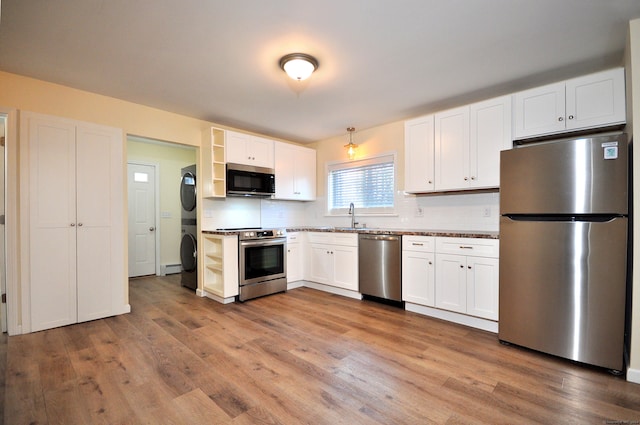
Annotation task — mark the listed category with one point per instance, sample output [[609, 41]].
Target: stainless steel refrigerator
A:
[[563, 248]]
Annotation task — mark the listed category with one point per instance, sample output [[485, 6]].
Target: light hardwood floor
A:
[[304, 357]]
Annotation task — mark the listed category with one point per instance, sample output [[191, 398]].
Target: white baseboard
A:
[[633, 375], [166, 269], [332, 289], [296, 284], [462, 319], [215, 297]]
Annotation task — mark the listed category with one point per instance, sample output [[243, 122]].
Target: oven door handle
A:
[[263, 242]]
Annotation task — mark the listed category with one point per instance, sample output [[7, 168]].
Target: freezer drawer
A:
[[562, 288], [580, 176]]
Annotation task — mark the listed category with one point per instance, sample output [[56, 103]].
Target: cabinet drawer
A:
[[320, 237], [419, 243], [346, 239], [331, 238], [293, 238], [471, 247]]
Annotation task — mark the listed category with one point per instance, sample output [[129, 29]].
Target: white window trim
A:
[[341, 212]]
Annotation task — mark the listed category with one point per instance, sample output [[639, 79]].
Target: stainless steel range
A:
[[262, 262]]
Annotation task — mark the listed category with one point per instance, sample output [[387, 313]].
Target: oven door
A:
[[262, 260]]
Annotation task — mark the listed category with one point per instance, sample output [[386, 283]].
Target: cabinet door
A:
[[596, 99], [419, 155], [539, 111], [50, 175], [304, 184], [490, 133], [294, 262], [452, 149], [345, 266], [260, 152], [451, 286], [418, 276], [482, 287], [285, 160], [320, 263], [236, 149], [100, 221]]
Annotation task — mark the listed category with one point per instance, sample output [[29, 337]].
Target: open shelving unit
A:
[[214, 163], [220, 278]]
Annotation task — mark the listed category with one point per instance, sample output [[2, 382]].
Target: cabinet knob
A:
[[469, 267], [151, 229], [473, 177], [73, 224], [560, 118], [79, 224], [466, 178], [430, 263], [429, 182], [570, 117], [461, 266]]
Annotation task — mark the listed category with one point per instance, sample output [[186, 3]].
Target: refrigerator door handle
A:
[[598, 218]]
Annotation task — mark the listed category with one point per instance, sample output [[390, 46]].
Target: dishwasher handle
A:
[[380, 237]]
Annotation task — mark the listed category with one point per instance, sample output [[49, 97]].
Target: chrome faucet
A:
[[352, 213]]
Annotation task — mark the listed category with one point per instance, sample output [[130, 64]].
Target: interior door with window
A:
[[142, 217]]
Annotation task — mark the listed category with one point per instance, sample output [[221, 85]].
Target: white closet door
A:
[[52, 231], [100, 210]]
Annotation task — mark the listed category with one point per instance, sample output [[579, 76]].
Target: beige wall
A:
[[373, 141], [39, 96], [170, 159]]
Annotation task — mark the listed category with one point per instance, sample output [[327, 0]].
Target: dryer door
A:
[[188, 191], [188, 252]]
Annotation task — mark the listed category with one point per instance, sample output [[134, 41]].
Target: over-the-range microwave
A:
[[248, 180]]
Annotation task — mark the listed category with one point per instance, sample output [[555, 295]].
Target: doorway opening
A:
[[154, 206]]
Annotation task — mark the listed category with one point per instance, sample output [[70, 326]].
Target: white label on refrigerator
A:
[[610, 150]]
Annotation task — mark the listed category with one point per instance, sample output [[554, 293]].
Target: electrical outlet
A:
[[486, 212], [419, 212]]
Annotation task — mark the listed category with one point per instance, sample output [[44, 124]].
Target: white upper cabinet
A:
[[452, 149], [468, 141], [595, 100], [418, 154], [295, 168], [490, 123], [249, 150]]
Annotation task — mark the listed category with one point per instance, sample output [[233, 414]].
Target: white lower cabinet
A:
[[418, 270], [466, 277], [333, 259], [294, 257]]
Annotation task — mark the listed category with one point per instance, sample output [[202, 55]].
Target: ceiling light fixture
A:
[[298, 66], [351, 147]]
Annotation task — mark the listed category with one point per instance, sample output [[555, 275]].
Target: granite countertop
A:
[[376, 231]]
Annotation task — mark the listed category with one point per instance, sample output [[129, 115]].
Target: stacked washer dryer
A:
[[188, 243]]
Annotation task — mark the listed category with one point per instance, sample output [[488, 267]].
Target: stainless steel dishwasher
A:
[[379, 266]]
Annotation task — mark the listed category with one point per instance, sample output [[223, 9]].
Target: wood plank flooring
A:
[[304, 357]]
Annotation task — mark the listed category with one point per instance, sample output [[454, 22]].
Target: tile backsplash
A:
[[458, 211]]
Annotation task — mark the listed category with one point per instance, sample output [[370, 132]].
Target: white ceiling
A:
[[380, 60]]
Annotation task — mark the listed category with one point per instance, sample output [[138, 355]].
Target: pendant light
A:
[[351, 147], [298, 66]]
